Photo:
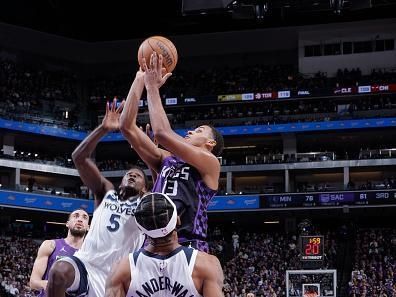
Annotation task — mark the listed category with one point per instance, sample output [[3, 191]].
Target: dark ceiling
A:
[[113, 20]]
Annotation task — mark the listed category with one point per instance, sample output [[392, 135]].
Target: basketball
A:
[[160, 45]]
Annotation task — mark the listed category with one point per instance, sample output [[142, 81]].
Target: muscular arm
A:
[[140, 142], [205, 162], [89, 172], [87, 169], [213, 279], [40, 265], [119, 279]]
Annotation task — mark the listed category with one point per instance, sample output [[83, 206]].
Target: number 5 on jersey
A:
[[114, 223]]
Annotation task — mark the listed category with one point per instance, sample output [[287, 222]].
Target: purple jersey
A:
[[62, 249], [184, 185]]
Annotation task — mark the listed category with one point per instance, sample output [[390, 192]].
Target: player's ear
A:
[[210, 144], [178, 222]]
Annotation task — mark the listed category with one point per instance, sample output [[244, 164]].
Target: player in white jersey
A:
[[164, 267], [113, 232]]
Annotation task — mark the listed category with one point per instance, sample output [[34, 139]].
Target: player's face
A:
[[200, 136], [78, 222], [134, 179]]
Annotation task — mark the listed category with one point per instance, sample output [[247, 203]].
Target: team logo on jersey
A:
[[162, 266], [121, 207], [112, 196], [176, 172], [59, 257]]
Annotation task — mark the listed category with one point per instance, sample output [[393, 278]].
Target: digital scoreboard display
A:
[[328, 199], [311, 248]]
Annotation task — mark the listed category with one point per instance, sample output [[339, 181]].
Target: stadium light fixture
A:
[[271, 222], [55, 223], [239, 147], [23, 221]]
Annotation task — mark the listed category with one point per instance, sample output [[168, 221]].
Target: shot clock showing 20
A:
[[311, 248]]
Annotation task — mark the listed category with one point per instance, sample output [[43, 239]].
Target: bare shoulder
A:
[[47, 247], [49, 244], [207, 264], [165, 153]]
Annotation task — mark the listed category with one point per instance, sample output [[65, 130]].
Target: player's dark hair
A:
[[146, 180], [218, 148], [68, 218], [154, 211]]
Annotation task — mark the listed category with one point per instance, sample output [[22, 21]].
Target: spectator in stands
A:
[[31, 182], [235, 242]]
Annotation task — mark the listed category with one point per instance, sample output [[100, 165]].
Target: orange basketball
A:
[[160, 45]]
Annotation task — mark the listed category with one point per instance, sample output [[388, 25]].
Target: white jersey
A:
[[162, 276], [112, 235]]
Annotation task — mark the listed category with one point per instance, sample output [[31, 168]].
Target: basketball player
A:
[[51, 250], [188, 170], [113, 232], [164, 267]]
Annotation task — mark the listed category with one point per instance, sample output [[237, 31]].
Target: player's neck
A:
[[163, 247], [129, 195], [74, 241]]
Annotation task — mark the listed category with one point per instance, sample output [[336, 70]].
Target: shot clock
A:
[[311, 248]]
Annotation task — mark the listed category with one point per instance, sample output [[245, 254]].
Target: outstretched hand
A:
[[153, 75], [111, 120], [149, 133]]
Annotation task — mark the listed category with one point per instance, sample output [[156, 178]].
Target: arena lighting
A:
[[239, 147], [271, 222], [55, 223], [23, 221]]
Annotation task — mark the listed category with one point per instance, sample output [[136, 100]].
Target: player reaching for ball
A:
[[113, 232], [188, 170]]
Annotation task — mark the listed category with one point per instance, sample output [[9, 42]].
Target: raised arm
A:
[[118, 281], [139, 141], [206, 163], [87, 169], [40, 265]]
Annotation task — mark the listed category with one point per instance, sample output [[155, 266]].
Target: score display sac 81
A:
[[289, 200], [311, 247]]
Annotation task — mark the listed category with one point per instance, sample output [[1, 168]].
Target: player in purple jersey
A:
[[188, 170], [51, 250]]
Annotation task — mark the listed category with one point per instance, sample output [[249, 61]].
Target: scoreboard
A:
[[311, 248], [328, 199]]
